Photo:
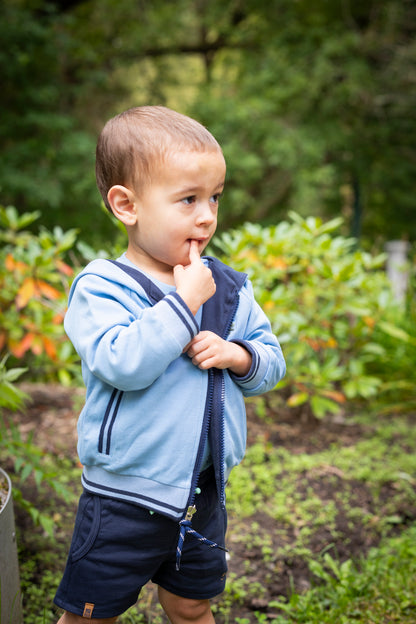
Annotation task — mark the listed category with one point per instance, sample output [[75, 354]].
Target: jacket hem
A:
[[162, 498]]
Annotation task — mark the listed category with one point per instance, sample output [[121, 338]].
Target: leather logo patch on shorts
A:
[[88, 609]]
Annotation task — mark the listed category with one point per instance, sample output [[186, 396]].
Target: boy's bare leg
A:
[[185, 610], [71, 618]]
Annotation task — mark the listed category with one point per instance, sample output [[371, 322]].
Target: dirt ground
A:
[[52, 415]]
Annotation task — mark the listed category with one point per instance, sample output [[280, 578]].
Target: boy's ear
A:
[[122, 202]]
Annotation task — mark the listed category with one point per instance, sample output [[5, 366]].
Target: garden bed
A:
[[327, 506]]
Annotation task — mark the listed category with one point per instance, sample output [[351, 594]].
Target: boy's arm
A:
[[121, 341], [125, 344]]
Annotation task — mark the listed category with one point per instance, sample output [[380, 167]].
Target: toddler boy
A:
[[170, 344]]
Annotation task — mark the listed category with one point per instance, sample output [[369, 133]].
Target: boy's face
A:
[[178, 206]]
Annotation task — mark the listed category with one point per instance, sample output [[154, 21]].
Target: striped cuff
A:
[[255, 363], [184, 313]]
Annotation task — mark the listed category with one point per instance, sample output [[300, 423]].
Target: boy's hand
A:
[[194, 282], [208, 350]]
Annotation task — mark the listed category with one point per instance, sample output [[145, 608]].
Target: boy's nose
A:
[[206, 214]]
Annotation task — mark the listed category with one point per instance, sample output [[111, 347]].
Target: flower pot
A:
[[10, 594]]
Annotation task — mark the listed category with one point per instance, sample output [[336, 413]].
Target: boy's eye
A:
[[216, 198], [189, 200]]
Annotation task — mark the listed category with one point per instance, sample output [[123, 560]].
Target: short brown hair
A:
[[131, 143]]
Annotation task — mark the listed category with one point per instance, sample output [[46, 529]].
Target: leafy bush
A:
[[28, 460], [34, 281], [329, 303], [396, 365]]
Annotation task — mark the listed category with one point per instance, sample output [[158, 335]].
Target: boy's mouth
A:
[[200, 241]]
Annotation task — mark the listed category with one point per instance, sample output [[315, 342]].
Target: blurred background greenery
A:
[[313, 103]]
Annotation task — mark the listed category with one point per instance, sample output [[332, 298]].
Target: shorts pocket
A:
[[87, 526]]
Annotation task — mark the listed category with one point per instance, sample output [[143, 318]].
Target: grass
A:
[[376, 589], [289, 510], [271, 478]]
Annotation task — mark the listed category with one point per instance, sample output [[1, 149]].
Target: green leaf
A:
[[27, 469], [397, 332], [64, 377], [46, 523], [38, 475], [13, 374], [321, 406], [297, 399]]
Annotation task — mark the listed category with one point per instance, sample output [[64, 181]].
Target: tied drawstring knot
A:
[[186, 528]]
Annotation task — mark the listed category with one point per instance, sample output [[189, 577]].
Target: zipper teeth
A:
[[204, 437], [222, 432], [222, 441]]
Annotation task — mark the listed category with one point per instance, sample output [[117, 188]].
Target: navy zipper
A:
[[215, 390], [222, 424], [220, 380], [222, 446], [202, 441]]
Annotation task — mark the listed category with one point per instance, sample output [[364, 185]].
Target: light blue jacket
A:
[[149, 411]]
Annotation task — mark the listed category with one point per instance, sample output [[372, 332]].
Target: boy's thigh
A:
[[116, 549]]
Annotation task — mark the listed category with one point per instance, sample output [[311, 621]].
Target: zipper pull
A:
[[190, 513]]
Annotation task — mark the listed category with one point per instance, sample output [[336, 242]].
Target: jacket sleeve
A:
[[253, 332], [120, 339]]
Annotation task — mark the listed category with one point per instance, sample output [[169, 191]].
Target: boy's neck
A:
[[163, 274]]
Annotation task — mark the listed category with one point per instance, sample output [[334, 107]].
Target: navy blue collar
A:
[[219, 310]]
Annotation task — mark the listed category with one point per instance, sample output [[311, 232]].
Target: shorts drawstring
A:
[[185, 528]]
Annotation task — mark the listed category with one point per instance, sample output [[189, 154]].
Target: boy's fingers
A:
[[194, 251], [177, 270]]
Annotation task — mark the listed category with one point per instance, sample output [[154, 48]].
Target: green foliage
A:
[[380, 586], [397, 336], [329, 303], [331, 308], [313, 102], [11, 397], [47, 154], [34, 281], [28, 460], [309, 101], [277, 493], [253, 488], [38, 594]]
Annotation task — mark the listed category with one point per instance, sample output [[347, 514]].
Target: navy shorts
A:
[[117, 547]]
